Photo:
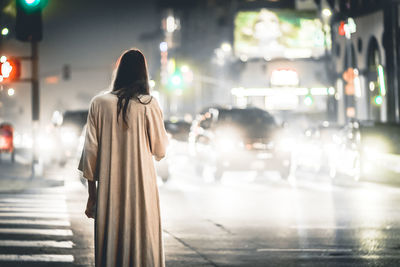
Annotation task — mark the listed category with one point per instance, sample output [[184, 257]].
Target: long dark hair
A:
[[131, 80]]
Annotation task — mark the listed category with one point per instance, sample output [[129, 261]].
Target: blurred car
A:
[[313, 148], [6, 140], [238, 139], [178, 129], [69, 132], [366, 148]]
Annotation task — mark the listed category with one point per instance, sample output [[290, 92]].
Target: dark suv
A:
[[237, 139]]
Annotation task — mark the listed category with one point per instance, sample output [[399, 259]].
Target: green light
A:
[[378, 100], [176, 80], [381, 77], [308, 100], [4, 31], [32, 3]]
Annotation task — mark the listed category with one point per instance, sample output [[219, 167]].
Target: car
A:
[[314, 147], [7, 140], [178, 129], [238, 139], [69, 131], [365, 148]]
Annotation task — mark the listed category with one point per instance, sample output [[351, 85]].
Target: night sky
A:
[[89, 36]]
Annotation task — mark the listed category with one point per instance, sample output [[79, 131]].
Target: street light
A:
[[11, 91], [4, 31], [326, 12], [226, 47], [163, 46]]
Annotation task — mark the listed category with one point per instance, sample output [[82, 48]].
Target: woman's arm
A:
[[157, 135], [91, 203]]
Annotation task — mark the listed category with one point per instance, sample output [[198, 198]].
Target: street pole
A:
[[35, 104]]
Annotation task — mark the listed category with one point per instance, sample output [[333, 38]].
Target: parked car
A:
[[6, 140], [366, 148], [313, 149], [238, 139], [178, 129], [69, 132]]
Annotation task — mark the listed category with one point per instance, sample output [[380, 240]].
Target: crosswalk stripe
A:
[[40, 243], [29, 231], [35, 196], [34, 205], [44, 209], [37, 258], [37, 215], [316, 250], [31, 200], [36, 222]]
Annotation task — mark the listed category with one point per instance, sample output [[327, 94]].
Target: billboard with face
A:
[[272, 34]]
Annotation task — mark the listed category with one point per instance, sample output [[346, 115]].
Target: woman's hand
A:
[[90, 208]]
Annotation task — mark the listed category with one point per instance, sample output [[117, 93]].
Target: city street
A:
[[245, 220]]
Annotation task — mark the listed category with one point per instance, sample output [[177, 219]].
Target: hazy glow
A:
[[381, 77], [163, 47], [176, 80], [326, 12], [4, 31], [3, 59], [226, 47], [6, 69], [308, 100], [185, 68], [32, 2], [11, 91], [171, 26], [152, 83]]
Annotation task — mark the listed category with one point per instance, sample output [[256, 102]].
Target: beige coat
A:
[[127, 224]]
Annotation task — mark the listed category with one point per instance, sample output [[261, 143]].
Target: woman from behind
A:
[[125, 130]]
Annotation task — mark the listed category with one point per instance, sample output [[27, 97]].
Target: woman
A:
[[125, 130]]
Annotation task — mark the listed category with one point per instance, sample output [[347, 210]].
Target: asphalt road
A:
[[246, 220]]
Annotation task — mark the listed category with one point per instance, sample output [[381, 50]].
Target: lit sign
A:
[[273, 34], [284, 77]]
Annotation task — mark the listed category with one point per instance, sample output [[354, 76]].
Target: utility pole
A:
[[35, 104]]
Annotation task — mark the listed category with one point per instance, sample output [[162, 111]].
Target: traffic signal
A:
[[10, 69], [175, 81], [28, 25], [308, 100]]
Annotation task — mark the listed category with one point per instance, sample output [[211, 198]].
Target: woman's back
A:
[[128, 227]]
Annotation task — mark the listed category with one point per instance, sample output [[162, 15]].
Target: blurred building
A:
[[366, 58], [271, 54]]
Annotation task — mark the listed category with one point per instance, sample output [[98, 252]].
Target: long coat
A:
[[120, 157]]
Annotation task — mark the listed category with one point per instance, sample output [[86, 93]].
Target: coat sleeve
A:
[[88, 161], [156, 134]]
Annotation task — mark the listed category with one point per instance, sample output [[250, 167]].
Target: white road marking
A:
[[29, 231], [44, 209], [37, 215], [316, 250], [32, 200], [35, 205], [35, 196], [37, 258], [36, 222], [319, 227], [39, 243]]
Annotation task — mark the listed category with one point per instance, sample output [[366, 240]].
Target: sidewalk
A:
[[16, 177]]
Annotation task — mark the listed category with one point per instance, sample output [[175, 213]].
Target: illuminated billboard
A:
[[272, 34]]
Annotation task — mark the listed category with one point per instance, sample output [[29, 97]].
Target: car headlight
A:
[[228, 141], [286, 144], [68, 137]]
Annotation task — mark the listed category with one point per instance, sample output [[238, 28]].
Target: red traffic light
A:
[[10, 69]]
